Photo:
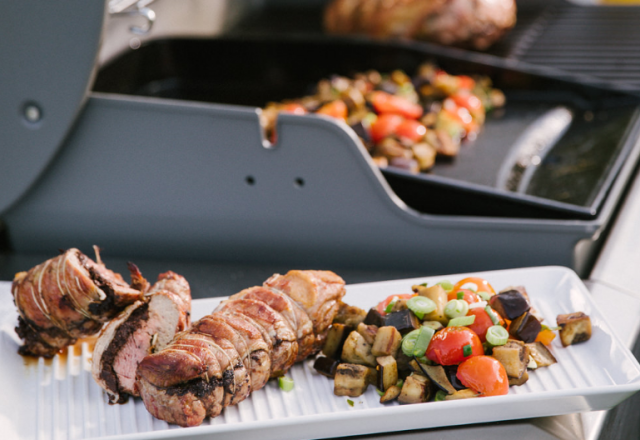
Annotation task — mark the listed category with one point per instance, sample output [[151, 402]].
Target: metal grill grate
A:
[[601, 42]]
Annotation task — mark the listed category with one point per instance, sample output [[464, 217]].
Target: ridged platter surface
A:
[[58, 399]]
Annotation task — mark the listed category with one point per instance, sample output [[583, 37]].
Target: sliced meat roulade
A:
[[256, 334], [66, 298], [142, 328]]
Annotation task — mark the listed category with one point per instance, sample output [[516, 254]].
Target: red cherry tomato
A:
[[484, 375], [336, 109], [467, 100], [468, 295], [294, 108], [384, 103], [385, 125], [383, 304], [466, 82], [482, 285], [482, 322], [447, 345], [411, 129]]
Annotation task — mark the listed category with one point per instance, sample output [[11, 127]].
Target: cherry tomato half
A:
[[468, 295], [482, 285], [468, 100], [336, 109], [447, 345], [383, 304], [482, 322], [411, 129], [384, 126], [294, 108], [384, 103], [484, 375]]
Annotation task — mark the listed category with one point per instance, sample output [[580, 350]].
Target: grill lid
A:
[[48, 52]]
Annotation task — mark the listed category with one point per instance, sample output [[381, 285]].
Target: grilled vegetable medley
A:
[[443, 342], [403, 121]]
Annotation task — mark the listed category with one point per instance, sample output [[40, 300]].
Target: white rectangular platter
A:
[[58, 399]]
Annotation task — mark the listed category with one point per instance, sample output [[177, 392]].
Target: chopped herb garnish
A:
[[466, 350], [350, 402], [460, 295], [380, 393], [440, 395]]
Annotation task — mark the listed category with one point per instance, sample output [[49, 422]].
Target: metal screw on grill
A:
[[32, 113]]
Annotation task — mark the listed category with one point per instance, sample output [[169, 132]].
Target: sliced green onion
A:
[[497, 335], [553, 329], [389, 307], [440, 395], [460, 295], [446, 285], [467, 350], [421, 305], [456, 308], [400, 383], [493, 315], [424, 360], [423, 284], [350, 402], [422, 341], [285, 383], [409, 342], [485, 296], [470, 286], [380, 393], [462, 321]]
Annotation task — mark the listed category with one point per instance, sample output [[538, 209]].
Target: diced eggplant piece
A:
[[326, 366], [524, 293], [386, 342], [387, 372], [368, 332], [415, 389], [574, 328], [403, 361], [525, 327], [439, 296], [438, 376], [462, 394], [392, 393], [351, 380], [357, 351], [520, 380], [514, 357], [510, 304], [435, 325], [404, 320], [336, 336], [349, 315], [541, 354], [374, 318], [452, 374]]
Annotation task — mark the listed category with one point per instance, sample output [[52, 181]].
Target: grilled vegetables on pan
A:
[[66, 298], [256, 334], [403, 121], [447, 342]]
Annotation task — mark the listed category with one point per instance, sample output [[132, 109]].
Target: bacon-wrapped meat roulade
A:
[[143, 328], [66, 298], [256, 334]]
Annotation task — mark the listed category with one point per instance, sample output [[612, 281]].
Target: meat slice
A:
[[66, 298], [284, 343], [290, 310], [183, 383], [318, 293], [141, 329]]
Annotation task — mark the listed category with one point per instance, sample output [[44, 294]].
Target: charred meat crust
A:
[[124, 332], [200, 387], [34, 345]]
